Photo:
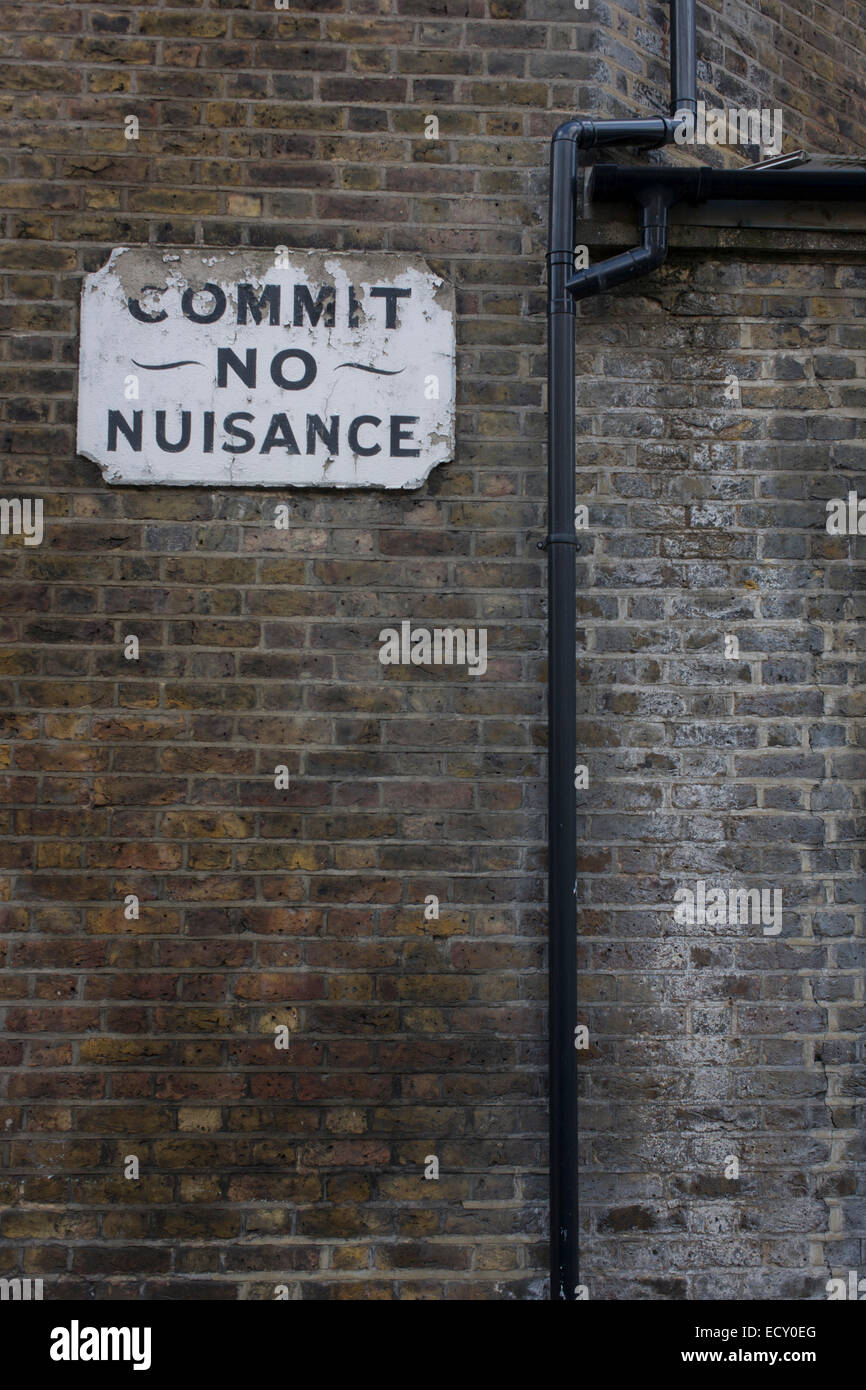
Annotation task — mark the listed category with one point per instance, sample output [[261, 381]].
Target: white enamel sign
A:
[[266, 369]]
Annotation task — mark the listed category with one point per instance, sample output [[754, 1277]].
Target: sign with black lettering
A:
[[275, 368]]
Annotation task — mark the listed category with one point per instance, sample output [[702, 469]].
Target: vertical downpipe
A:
[[562, 714], [684, 81], [561, 624]]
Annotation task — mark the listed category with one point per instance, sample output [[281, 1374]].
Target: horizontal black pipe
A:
[[684, 85], [644, 131], [607, 182]]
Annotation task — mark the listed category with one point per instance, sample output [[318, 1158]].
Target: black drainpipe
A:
[[562, 610], [654, 190], [684, 68]]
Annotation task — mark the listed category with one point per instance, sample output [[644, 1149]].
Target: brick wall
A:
[[409, 1038], [801, 56], [708, 521]]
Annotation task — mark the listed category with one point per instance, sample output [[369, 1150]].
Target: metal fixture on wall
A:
[[562, 613], [684, 63]]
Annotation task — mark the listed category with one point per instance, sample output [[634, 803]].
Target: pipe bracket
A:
[[561, 539]]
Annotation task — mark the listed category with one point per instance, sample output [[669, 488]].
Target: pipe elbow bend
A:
[[651, 255], [578, 130]]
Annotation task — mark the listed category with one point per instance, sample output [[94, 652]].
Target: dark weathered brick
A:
[[305, 908]]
